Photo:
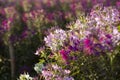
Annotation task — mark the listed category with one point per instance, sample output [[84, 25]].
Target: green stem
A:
[[12, 60]]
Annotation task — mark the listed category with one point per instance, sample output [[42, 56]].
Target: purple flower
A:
[[98, 48], [6, 24], [87, 43], [2, 11], [92, 48], [50, 16], [104, 16], [73, 48]]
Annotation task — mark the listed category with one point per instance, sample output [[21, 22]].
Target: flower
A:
[[104, 16], [47, 75], [55, 67], [116, 36], [56, 39], [88, 46], [74, 41], [53, 71], [25, 76], [67, 71], [118, 4], [64, 54], [6, 24], [39, 50]]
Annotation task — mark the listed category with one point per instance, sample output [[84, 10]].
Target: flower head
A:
[[64, 54], [55, 39]]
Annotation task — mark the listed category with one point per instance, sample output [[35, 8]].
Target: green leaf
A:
[[41, 61], [119, 28]]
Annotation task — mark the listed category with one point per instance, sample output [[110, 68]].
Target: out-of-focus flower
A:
[[118, 4], [104, 16], [6, 24], [25, 76], [50, 16], [34, 19], [2, 11], [10, 12], [116, 35], [25, 33], [26, 4]]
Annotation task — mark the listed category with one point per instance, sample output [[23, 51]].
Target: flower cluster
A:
[[104, 16], [98, 41], [95, 34], [55, 72], [55, 39], [6, 25], [33, 18]]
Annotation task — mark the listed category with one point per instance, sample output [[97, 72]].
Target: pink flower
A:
[[6, 24], [87, 42], [64, 54], [50, 16], [24, 17], [88, 46]]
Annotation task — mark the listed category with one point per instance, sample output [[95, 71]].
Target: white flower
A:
[[56, 67], [25, 76], [115, 31], [37, 53], [67, 71]]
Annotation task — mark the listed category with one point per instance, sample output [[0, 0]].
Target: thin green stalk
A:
[[12, 60]]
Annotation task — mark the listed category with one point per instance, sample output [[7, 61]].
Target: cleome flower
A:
[[55, 72], [55, 39], [103, 16]]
